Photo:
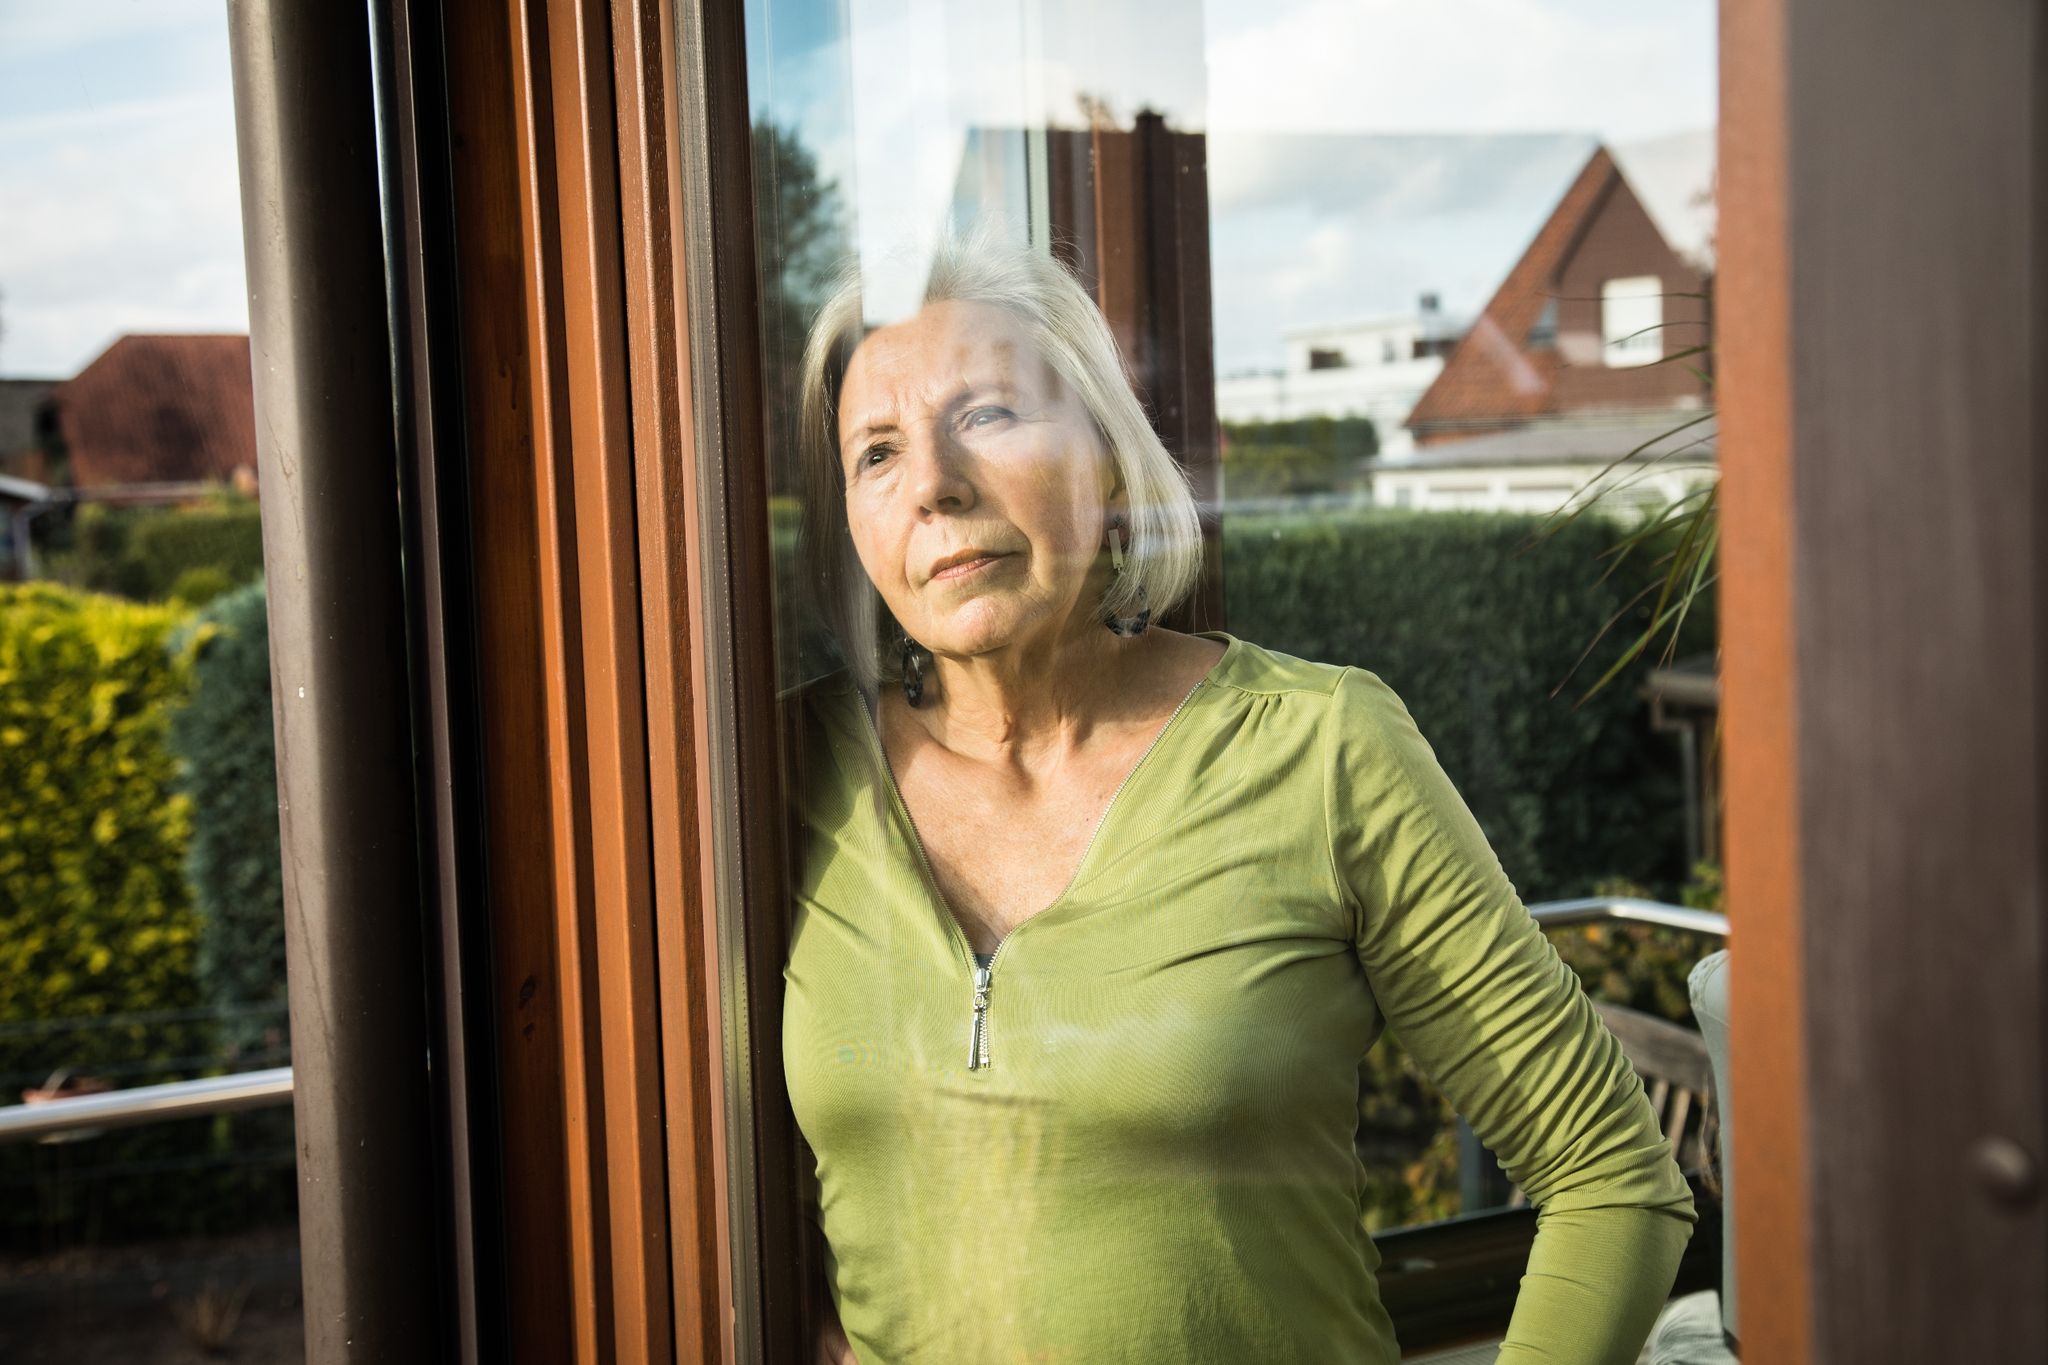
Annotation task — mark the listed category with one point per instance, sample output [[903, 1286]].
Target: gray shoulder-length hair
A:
[[1164, 558]]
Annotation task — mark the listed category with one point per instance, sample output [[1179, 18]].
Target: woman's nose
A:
[[940, 481]]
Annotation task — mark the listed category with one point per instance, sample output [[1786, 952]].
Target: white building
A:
[[1377, 368], [1648, 461]]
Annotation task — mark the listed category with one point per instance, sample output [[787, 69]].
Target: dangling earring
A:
[[1125, 626], [913, 672]]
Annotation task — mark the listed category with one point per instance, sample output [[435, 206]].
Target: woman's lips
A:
[[965, 568]]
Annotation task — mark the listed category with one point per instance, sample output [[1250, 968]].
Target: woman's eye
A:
[[873, 456], [982, 417]]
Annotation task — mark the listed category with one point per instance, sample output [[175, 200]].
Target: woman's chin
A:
[[980, 627]]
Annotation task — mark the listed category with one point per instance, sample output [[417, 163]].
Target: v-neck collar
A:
[[900, 808]]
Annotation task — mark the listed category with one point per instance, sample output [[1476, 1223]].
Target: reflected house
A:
[[1582, 358], [1377, 368]]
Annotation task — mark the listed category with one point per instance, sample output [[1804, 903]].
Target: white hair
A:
[[1164, 558]]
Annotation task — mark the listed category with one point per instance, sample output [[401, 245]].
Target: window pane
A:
[[1394, 284], [141, 919]]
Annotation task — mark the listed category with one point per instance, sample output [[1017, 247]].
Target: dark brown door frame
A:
[[1884, 361], [375, 1287]]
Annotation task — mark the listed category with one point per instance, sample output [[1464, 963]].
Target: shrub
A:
[[1475, 629], [143, 553], [197, 587], [224, 535], [224, 738], [94, 913], [1638, 965], [1305, 455], [99, 938]]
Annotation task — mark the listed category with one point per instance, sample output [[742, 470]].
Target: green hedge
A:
[[153, 553], [1305, 455], [95, 917], [224, 740], [1474, 627], [100, 942]]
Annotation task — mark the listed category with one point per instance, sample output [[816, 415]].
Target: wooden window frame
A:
[[1884, 674]]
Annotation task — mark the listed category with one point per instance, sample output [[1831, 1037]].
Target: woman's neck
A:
[[1014, 705]]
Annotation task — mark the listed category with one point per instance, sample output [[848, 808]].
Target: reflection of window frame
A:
[[1129, 212]]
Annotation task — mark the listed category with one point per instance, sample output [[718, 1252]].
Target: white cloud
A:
[[119, 209], [1315, 229], [1623, 70], [119, 200], [39, 29]]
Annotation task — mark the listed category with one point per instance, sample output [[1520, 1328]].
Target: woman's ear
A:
[[1114, 495]]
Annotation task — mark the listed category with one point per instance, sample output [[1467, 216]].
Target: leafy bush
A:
[[143, 553], [224, 737], [1639, 965], [94, 913], [226, 535], [1306, 455], [197, 587], [99, 938], [1475, 629]]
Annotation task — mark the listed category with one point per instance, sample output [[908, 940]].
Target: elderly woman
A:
[[1096, 922]]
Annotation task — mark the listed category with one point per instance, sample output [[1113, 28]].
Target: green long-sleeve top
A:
[[1150, 1155]]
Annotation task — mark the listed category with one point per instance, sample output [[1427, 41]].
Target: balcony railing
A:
[[146, 1104], [256, 1089]]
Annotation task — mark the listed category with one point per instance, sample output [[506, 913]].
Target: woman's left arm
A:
[[1482, 1001]]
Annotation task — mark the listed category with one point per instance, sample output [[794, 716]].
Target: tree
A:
[[804, 243]]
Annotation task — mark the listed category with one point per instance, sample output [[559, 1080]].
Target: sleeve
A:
[[1482, 1001]]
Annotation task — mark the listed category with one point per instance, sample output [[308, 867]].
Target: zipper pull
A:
[[977, 1032]]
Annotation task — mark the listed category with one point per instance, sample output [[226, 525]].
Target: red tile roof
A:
[[1495, 378], [159, 409]]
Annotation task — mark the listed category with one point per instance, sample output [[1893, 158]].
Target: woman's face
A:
[[977, 489]]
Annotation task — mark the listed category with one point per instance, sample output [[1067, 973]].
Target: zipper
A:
[[977, 1029], [984, 977]]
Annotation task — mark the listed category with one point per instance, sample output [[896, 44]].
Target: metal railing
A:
[[1629, 910], [257, 1089], [79, 1114]]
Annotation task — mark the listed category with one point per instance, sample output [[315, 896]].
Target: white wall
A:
[[1530, 488], [1385, 393]]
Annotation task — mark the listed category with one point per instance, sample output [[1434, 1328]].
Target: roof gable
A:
[[1496, 377]]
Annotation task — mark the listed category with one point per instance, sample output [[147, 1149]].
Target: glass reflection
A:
[[1389, 290]]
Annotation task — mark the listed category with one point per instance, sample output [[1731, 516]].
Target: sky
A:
[[1360, 150], [119, 206]]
